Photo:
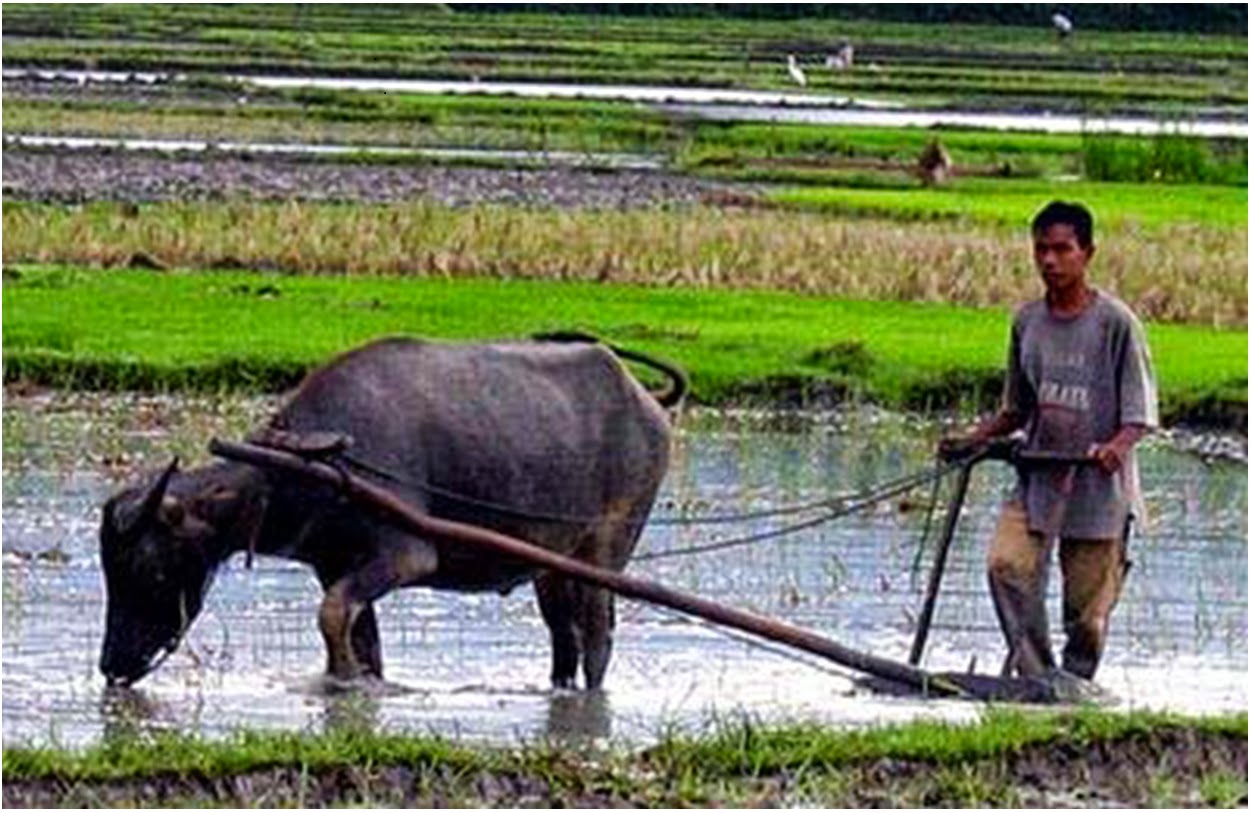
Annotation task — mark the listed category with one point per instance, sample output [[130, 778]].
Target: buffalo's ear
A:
[[132, 516], [171, 513], [183, 519]]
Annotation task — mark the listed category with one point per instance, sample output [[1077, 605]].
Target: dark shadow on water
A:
[[578, 717], [353, 706]]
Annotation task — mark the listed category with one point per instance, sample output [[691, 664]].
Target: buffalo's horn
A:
[[150, 503]]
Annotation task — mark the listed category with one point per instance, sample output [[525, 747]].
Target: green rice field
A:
[[989, 65], [229, 330]]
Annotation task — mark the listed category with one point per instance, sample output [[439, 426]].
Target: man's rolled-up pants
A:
[[1017, 564]]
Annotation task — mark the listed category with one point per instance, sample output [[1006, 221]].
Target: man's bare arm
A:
[[1111, 455], [1003, 422]]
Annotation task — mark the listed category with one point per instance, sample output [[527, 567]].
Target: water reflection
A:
[[128, 713], [351, 713], [1047, 122], [578, 717]]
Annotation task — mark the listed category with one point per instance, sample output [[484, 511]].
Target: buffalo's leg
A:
[[399, 560], [366, 645], [595, 613], [556, 602], [595, 622]]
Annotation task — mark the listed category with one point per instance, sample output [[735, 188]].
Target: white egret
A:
[[842, 60], [796, 72], [1062, 24]]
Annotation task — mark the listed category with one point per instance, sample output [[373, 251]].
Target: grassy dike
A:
[[1009, 758], [133, 329]]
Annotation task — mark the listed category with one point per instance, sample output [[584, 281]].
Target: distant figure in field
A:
[[934, 164], [796, 72], [843, 59], [1062, 24]]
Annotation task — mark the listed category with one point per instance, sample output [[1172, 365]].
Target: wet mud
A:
[[68, 177], [1163, 767]]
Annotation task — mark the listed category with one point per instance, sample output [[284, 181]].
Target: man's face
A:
[[1060, 259]]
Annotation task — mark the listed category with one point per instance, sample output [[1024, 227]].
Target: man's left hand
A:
[[1109, 456]]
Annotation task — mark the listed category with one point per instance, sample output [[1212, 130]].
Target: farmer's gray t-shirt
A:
[[1079, 380]]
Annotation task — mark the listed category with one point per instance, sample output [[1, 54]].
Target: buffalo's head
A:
[[156, 551]]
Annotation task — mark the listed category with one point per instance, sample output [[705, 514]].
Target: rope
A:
[[901, 486], [802, 508], [713, 519], [739, 541]]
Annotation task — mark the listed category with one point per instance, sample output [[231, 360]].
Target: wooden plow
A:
[[883, 673]]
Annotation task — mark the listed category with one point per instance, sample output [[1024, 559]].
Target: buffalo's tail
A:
[[670, 396]]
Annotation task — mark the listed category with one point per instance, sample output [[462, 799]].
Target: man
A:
[[1079, 382]]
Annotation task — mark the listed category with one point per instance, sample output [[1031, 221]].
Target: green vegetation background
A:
[[228, 330]]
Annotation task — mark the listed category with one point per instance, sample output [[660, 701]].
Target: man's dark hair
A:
[[1070, 214]]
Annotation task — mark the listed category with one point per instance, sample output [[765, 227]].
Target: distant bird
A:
[[796, 72], [1062, 24], [842, 60]]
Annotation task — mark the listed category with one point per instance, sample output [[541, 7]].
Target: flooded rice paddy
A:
[[721, 104], [475, 665], [1046, 122]]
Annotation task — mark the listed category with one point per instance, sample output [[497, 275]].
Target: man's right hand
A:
[[960, 446]]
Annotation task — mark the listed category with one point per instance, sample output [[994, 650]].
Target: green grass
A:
[[746, 749], [1224, 790], [232, 330], [737, 763], [1015, 202], [732, 748], [244, 751], [1169, 158]]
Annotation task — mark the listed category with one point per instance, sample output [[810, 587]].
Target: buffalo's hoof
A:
[[1069, 688], [360, 682]]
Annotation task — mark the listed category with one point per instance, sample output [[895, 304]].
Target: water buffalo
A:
[[551, 441]]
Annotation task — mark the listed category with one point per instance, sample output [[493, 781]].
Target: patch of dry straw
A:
[[1184, 273]]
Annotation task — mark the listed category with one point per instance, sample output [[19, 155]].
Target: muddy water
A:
[[622, 161], [476, 665]]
